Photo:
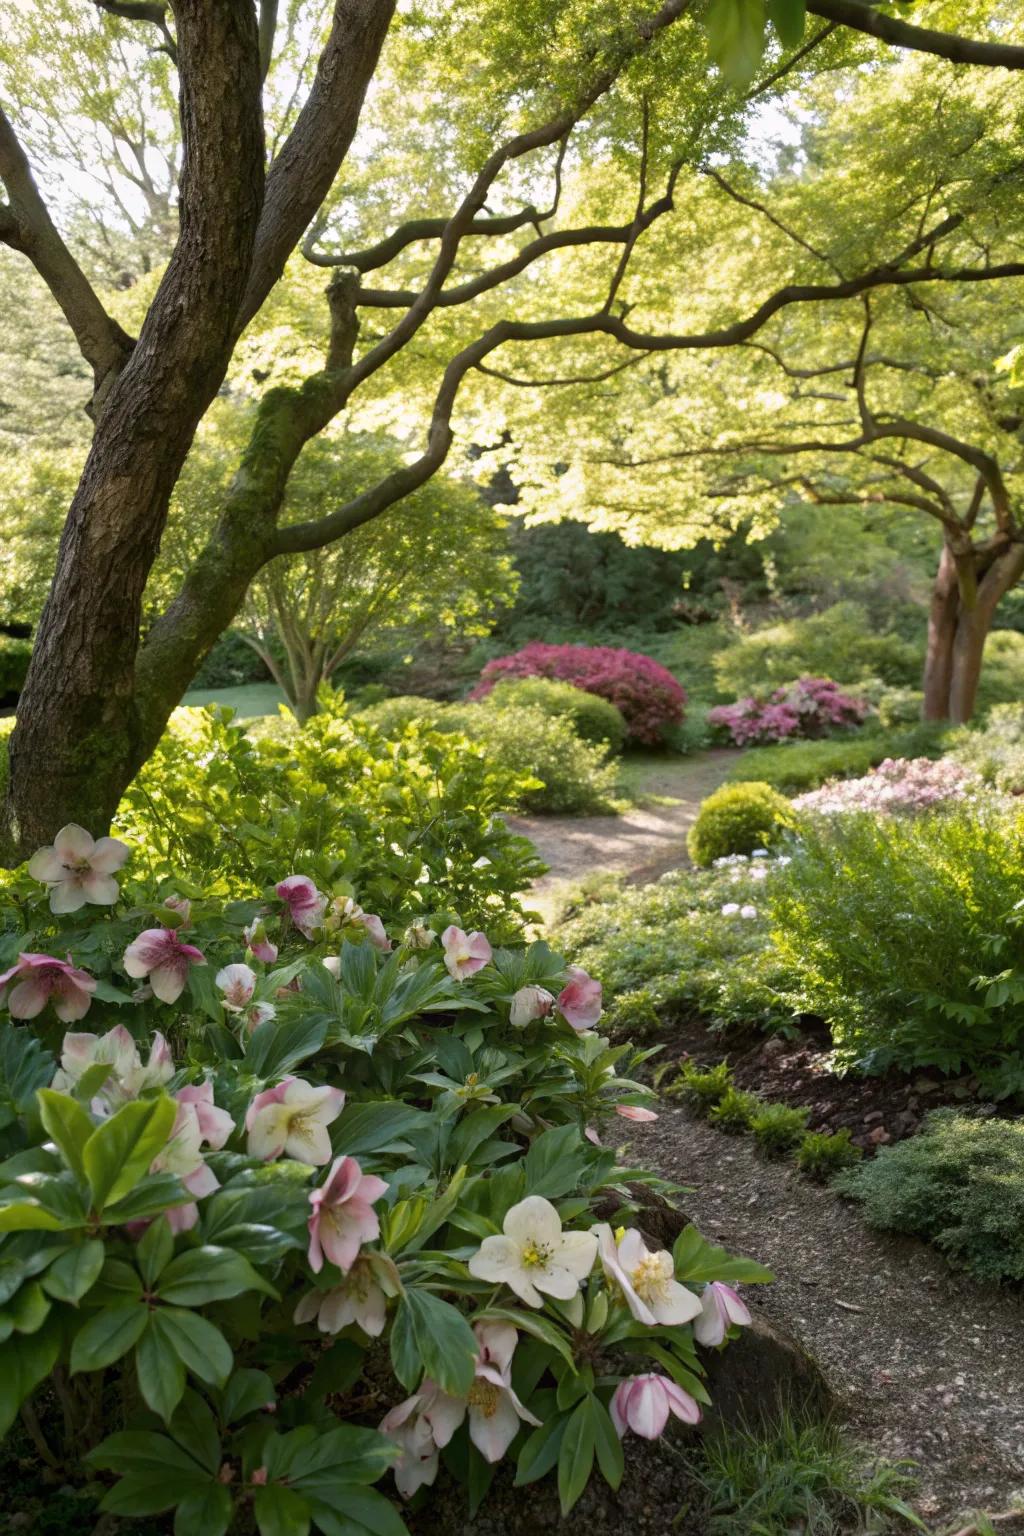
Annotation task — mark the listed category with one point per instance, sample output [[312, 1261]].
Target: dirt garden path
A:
[[645, 842], [926, 1364]]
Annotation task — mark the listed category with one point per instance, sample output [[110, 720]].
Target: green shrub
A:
[[906, 935], [995, 750], [632, 1016], [822, 1154], [777, 1128], [959, 1184], [555, 770], [798, 765], [841, 642], [14, 660], [898, 706], [737, 819], [735, 1111], [594, 719], [694, 734], [702, 1089], [1002, 675]]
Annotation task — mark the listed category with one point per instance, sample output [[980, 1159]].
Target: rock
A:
[[766, 1366]]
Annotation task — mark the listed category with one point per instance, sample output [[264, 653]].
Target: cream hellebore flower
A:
[[464, 953], [721, 1309], [495, 1412], [238, 983], [79, 868], [343, 1218], [417, 1465], [643, 1404], [40, 979], [361, 1297], [159, 954], [198, 1120], [293, 1118], [535, 1255], [530, 1003], [647, 1280], [127, 1077]]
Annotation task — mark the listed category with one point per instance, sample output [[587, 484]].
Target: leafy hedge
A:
[[14, 659]]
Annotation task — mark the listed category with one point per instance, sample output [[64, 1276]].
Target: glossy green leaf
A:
[[280, 1512], [66, 1123], [735, 31], [26, 1359], [159, 1368], [697, 1260], [789, 18], [576, 1456], [209, 1274], [118, 1153], [206, 1512], [429, 1333], [71, 1276], [155, 1250], [108, 1336], [200, 1346]]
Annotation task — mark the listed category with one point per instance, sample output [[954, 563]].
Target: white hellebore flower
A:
[[535, 1255], [79, 868], [721, 1309], [530, 1003], [238, 983], [647, 1280]]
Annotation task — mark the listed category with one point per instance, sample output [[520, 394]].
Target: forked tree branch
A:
[[150, 11]]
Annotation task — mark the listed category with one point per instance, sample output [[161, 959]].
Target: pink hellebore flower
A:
[[643, 1404], [215, 1125], [259, 945], [348, 913], [343, 1218], [238, 983], [495, 1412], [464, 953], [375, 929], [127, 1078], [580, 1001], [306, 906], [530, 1003], [197, 1120], [647, 1280], [39, 979], [636, 1113], [79, 869], [362, 1297], [181, 905], [159, 954], [721, 1309], [417, 1465], [293, 1118]]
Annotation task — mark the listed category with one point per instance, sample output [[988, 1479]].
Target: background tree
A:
[[553, 94]]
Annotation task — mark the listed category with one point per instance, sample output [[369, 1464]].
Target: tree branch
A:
[[26, 226], [862, 17], [151, 11]]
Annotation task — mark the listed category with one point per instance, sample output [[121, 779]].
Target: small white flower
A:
[[535, 1255]]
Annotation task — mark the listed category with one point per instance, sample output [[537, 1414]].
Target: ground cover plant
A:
[[260, 1151], [897, 784]]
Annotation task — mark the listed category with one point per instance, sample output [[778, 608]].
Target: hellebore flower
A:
[[215, 1125], [495, 1412], [636, 1113], [293, 1118], [343, 1218], [417, 1465], [127, 1077], [647, 1280], [181, 905], [643, 1404], [238, 983], [530, 1003], [418, 936], [347, 913], [579, 1002], [39, 979], [159, 954], [362, 1297], [306, 906], [255, 936], [721, 1308], [79, 868], [464, 953], [535, 1255]]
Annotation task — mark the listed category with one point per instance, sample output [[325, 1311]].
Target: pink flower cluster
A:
[[648, 695], [811, 706], [898, 784]]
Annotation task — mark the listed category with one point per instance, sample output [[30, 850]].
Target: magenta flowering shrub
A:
[[812, 706], [897, 784], [291, 1151], [646, 693]]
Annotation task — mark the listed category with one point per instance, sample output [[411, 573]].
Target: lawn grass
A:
[[249, 701]]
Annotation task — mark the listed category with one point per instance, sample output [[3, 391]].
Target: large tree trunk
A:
[[962, 608], [78, 738]]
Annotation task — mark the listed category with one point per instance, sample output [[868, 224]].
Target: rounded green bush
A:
[[392, 716], [593, 719], [737, 819]]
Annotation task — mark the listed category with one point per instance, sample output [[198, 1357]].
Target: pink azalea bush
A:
[[897, 784], [810, 707], [180, 1227], [649, 697]]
